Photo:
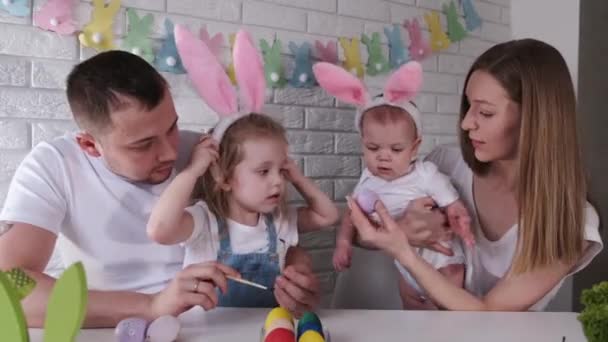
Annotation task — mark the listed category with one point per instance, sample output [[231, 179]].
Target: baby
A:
[[390, 130]]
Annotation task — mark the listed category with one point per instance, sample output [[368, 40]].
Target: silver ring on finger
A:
[[195, 290]]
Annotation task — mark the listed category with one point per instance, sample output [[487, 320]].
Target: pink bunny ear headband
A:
[[400, 88], [213, 84]]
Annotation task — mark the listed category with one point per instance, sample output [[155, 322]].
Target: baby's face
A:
[[388, 148]]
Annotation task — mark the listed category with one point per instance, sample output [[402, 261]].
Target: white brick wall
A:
[[34, 64]]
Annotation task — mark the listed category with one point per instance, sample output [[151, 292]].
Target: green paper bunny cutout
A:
[[273, 64], [137, 40], [65, 312], [456, 31], [377, 63]]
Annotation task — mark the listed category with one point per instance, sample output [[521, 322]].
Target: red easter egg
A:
[[280, 335]]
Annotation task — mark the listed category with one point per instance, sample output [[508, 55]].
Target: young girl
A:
[[391, 134], [520, 172], [239, 218]]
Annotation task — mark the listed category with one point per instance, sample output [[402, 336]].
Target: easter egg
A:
[[280, 335], [131, 330], [309, 326], [311, 336], [366, 200], [277, 313], [163, 329], [280, 323], [309, 317]]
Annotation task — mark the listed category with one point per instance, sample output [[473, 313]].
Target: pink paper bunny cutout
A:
[[419, 47], [214, 43], [56, 16], [329, 52]]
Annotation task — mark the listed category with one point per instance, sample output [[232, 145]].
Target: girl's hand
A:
[[204, 154], [291, 170]]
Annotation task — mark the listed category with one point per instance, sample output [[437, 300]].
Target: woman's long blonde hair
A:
[[551, 185], [250, 126]]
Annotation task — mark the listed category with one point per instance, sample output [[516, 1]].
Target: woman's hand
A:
[[388, 236], [424, 226]]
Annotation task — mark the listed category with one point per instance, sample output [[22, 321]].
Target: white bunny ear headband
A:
[[213, 84], [400, 88]]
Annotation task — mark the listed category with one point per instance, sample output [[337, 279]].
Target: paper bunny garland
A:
[[137, 41], [213, 84], [97, 33], [400, 88], [302, 76], [56, 16], [18, 8], [168, 59]]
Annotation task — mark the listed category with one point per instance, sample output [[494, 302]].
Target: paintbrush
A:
[[250, 283]]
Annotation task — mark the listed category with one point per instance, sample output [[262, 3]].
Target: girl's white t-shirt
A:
[[204, 242], [491, 260]]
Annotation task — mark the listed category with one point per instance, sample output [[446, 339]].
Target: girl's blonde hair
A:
[[551, 186], [231, 154]]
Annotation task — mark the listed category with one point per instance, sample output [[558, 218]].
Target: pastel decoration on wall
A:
[[214, 43], [398, 55], [302, 76], [471, 17], [230, 68], [439, 40], [328, 52], [97, 34], [12, 318], [66, 307], [273, 63], [56, 16], [419, 48], [17, 8], [456, 32], [168, 59], [137, 40], [377, 62], [352, 56]]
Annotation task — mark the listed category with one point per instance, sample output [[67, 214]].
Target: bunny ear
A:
[[404, 83], [206, 72], [340, 83], [249, 72]]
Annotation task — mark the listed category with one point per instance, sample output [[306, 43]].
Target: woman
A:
[[520, 172]]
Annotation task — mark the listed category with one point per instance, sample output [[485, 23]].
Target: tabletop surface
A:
[[232, 324]]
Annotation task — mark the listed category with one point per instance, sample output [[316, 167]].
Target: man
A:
[[92, 193]]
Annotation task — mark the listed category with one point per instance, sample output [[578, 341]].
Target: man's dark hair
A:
[[95, 87]]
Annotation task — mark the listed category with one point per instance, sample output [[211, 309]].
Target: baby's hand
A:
[[291, 170], [205, 153], [342, 255], [460, 222]]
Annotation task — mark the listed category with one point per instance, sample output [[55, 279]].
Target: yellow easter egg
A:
[[311, 336], [277, 313]]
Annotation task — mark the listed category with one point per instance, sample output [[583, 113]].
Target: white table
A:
[[235, 325]]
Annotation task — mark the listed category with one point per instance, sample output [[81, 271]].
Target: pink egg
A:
[[366, 199]]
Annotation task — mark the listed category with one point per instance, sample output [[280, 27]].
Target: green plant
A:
[[594, 317]]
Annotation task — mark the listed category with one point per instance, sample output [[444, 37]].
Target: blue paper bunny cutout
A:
[[17, 8], [471, 18], [398, 55], [168, 59], [302, 76]]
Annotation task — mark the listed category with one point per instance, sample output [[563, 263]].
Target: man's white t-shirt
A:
[[491, 260], [204, 242], [99, 217]]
